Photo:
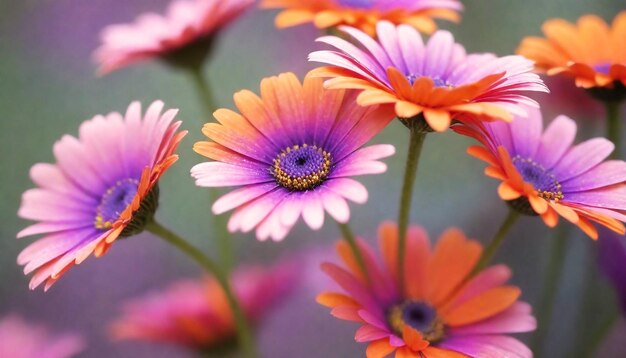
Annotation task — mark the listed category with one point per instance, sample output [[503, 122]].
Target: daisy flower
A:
[[364, 14], [437, 79], [543, 174], [186, 23], [196, 314], [103, 186], [20, 339], [440, 313], [590, 51], [292, 151]]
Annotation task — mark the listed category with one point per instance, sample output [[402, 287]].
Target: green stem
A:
[[205, 95], [243, 329], [546, 303], [496, 242], [224, 244], [613, 124], [347, 234], [416, 141], [599, 336]]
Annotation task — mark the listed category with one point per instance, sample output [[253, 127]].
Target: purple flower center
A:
[[359, 4], [603, 68], [438, 81], [301, 167], [544, 181], [114, 201], [418, 315]]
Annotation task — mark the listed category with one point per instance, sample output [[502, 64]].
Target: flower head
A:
[[364, 14], [437, 79], [187, 22], [590, 51], [19, 339], [543, 174], [439, 313], [292, 150], [103, 186], [196, 313]]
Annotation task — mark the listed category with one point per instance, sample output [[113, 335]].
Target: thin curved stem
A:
[[347, 234], [243, 328], [224, 244], [495, 242], [205, 95], [591, 348], [550, 286], [416, 142], [614, 128]]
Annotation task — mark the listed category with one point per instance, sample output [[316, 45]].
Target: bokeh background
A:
[[48, 87]]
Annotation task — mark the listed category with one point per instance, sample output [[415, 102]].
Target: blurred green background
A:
[[48, 87]]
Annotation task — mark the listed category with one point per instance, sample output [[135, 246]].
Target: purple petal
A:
[[583, 157], [556, 140], [605, 174]]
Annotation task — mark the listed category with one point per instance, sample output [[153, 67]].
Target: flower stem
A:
[[243, 329], [416, 141], [347, 234], [224, 245], [613, 124], [205, 95], [592, 346], [495, 243], [550, 286]]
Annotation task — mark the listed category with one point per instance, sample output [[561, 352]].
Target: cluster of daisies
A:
[[291, 151]]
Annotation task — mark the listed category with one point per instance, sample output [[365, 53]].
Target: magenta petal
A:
[[605, 174], [216, 174], [583, 157], [240, 197], [335, 205], [349, 189], [313, 210], [613, 197], [556, 140], [527, 133], [515, 319], [487, 346], [370, 333]]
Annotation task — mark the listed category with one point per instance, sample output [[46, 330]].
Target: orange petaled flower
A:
[[440, 313], [364, 14], [436, 79], [590, 51], [543, 174], [102, 187]]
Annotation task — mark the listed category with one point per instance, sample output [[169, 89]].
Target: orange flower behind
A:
[[591, 51], [439, 313], [364, 14]]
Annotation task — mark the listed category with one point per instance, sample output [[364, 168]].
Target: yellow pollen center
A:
[[301, 167]]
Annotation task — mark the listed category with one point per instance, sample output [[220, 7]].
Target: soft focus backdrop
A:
[[48, 87]]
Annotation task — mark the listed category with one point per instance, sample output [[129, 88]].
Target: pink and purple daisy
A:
[[544, 174], [292, 151], [20, 339], [439, 314], [436, 79], [187, 22], [102, 187], [196, 314]]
